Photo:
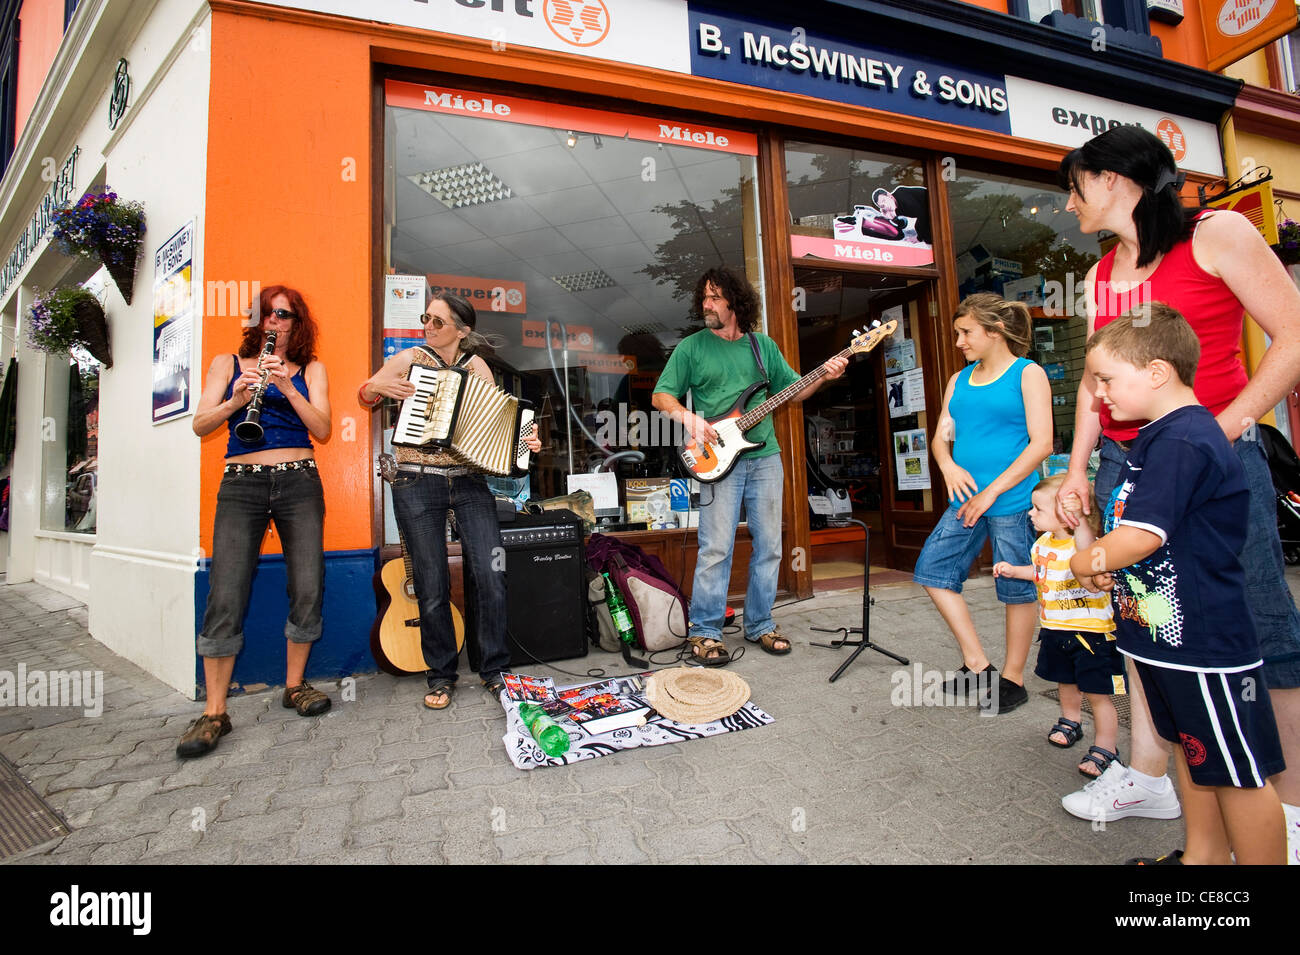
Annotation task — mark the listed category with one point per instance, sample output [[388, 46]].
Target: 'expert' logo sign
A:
[[1237, 17], [580, 22]]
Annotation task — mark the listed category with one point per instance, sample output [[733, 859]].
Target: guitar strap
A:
[[758, 359]]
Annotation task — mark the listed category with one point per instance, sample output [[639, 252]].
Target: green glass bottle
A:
[[618, 610], [553, 740]]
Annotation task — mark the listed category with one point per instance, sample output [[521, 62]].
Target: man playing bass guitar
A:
[[717, 364]]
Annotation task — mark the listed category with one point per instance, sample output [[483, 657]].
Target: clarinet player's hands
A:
[[242, 391]]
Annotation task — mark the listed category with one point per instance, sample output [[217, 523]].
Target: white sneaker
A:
[[1113, 795]]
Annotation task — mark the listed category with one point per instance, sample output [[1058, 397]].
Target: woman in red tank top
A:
[[1213, 267]]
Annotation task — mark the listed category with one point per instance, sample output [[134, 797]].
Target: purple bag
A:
[[658, 608]]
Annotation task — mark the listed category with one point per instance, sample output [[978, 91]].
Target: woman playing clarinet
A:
[[277, 389], [427, 485]]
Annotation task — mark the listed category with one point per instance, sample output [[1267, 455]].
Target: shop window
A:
[[865, 208], [1014, 237], [1039, 10], [1122, 23], [1289, 51], [8, 80], [70, 444], [549, 217]]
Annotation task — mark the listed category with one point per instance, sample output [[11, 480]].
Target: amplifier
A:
[[546, 592]]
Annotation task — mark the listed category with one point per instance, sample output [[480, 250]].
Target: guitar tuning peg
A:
[[856, 333], [876, 323]]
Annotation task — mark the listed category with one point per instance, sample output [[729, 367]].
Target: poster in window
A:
[[173, 324], [912, 460]]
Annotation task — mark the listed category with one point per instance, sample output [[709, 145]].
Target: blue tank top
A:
[[990, 432], [281, 426]]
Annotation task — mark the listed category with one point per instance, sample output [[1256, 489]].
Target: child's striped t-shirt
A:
[[1063, 602]]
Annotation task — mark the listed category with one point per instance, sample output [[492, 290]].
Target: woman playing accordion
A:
[[427, 485]]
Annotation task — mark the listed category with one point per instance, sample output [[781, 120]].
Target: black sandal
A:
[[443, 688], [1101, 758], [494, 685], [1071, 730]]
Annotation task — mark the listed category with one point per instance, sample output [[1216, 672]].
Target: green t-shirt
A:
[[717, 372]]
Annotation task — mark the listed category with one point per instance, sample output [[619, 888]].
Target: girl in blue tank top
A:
[[994, 432]]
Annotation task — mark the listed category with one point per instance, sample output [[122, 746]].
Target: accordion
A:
[[456, 411]]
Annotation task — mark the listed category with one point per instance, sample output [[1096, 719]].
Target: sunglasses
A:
[[438, 322], [283, 313]]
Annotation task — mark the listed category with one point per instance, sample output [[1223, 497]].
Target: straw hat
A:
[[695, 695]]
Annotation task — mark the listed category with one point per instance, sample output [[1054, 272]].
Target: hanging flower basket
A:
[[105, 228], [69, 316], [1288, 242]]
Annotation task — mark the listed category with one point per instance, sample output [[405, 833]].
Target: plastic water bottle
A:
[[548, 734], [618, 610]]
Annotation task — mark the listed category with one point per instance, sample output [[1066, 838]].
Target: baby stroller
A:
[[1285, 469]]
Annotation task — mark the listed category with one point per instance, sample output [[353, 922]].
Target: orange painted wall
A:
[[40, 31], [288, 201]]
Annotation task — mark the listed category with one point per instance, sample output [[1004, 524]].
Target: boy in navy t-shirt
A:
[[1173, 528]]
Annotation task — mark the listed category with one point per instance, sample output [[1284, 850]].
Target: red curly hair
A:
[[302, 337]]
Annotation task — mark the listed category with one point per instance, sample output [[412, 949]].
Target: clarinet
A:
[[250, 429]]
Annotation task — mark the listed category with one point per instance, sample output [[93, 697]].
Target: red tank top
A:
[[1210, 308]]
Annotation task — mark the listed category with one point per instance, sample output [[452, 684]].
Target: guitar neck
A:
[[761, 411]]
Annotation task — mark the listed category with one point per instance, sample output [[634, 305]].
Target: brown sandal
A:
[[768, 642], [306, 699], [708, 652], [202, 735]]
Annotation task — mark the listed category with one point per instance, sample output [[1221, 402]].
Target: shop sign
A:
[[514, 109], [1236, 28], [581, 337], [55, 198], [1255, 202], [1050, 114], [173, 324], [644, 32], [486, 295], [1167, 11], [793, 60], [609, 364]]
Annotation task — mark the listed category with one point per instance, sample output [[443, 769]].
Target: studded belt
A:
[[307, 464], [451, 472]]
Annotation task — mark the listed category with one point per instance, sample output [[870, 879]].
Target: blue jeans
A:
[[246, 503], [945, 559], [1277, 624], [757, 483], [420, 504]]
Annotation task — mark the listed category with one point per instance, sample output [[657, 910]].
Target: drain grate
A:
[[26, 820], [1121, 705]]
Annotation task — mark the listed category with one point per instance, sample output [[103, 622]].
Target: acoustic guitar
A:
[[395, 635], [713, 461]]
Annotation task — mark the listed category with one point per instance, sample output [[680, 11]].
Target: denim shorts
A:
[[1277, 624], [951, 548]]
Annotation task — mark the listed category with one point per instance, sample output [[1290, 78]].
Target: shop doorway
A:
[[866, 435]]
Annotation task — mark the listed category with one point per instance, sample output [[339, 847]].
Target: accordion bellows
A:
[[456, 411]]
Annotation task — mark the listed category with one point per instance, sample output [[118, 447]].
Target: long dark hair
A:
[[302, 337], [740, 296], [1161, 218]]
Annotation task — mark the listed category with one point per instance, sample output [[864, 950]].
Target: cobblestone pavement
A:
[[843, 775]]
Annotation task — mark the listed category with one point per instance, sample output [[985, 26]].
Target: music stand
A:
[[867, 600]]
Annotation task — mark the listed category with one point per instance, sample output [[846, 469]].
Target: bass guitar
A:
[[713, 461], [395, 634]]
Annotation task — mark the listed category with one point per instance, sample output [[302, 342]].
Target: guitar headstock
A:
[[865, 341]]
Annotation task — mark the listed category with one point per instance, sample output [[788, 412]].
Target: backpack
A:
[[658, 608]]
